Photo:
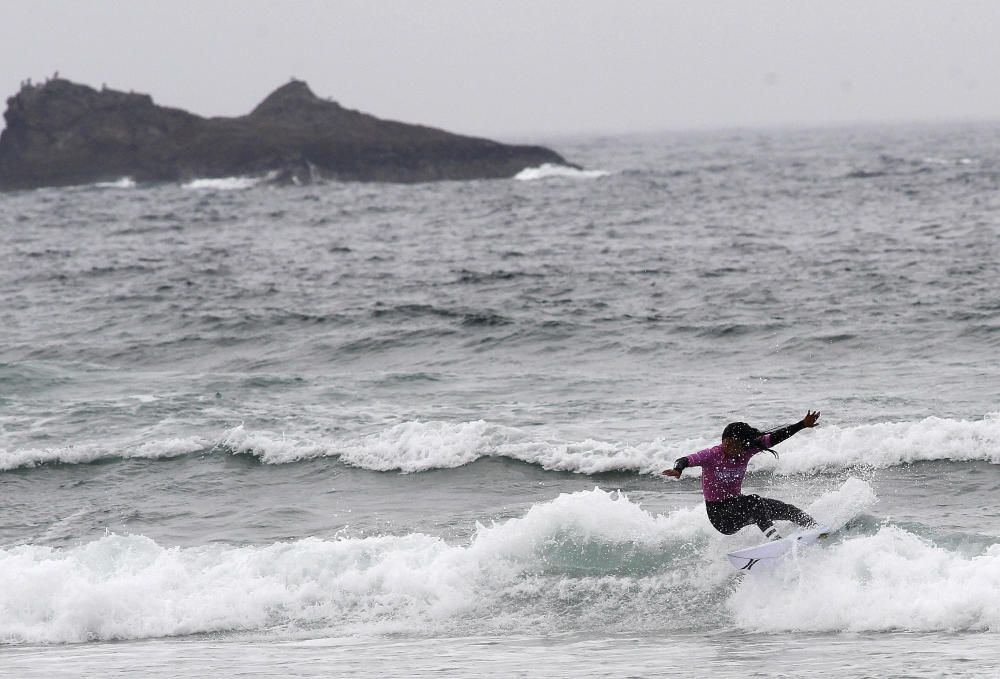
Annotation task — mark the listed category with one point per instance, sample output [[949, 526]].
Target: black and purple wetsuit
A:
[[722, 483]]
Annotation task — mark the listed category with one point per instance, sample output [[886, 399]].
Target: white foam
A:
[[933, 160], [123, 183], [893, 580], [165, 448], [91, 452], [549, 170], [596, 515], [270, 447], [834, 509], [829, 447], [29, 457], [591, 559], [417, 446], [223, 183], [124, 587], [407, 447], [889, 444]]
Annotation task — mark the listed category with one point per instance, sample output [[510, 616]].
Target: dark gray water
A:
[[414, 422]]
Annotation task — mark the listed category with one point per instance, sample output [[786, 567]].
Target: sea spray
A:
[[890, 581]]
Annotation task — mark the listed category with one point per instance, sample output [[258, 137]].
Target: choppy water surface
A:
[[377, 429]]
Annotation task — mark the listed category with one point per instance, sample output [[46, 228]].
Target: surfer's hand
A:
[[675, 473], [811, 418]]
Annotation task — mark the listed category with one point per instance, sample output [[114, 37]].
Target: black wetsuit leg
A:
[[731, 514]]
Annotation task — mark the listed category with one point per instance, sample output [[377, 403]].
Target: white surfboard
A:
[[745, 559]]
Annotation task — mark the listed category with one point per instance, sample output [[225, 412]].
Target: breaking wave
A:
[[418, 446], [549, 170], [223, 183], [585, 560]]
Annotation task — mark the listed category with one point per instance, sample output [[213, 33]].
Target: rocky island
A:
[[60, 133]]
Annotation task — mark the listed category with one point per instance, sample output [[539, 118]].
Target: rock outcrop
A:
[[61, 133]]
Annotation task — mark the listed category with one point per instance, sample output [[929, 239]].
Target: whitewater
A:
[[411, 430], [417, 446]]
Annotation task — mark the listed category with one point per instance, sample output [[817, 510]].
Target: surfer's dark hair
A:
[[745, 434]]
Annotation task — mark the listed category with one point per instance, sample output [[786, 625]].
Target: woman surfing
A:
[[723, 468]]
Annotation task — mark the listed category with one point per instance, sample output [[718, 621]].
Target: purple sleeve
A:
[[702, 456], [765, 441]]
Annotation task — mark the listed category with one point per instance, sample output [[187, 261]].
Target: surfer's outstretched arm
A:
[[680, 464], [807, 422]]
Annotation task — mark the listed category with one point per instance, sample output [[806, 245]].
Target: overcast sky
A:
[[523, 68]]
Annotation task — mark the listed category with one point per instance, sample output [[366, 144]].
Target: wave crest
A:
[[126, 587], [223, 183], [585, 560], [418, 446], [549, 170], [92, 452]]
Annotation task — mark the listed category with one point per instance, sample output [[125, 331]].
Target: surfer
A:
[[725, 465]]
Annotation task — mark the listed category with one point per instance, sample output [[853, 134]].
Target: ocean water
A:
[[416, 430]]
